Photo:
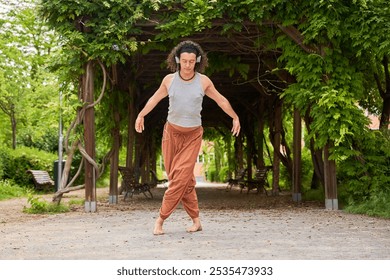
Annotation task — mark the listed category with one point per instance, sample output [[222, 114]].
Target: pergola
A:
[[255, 97]]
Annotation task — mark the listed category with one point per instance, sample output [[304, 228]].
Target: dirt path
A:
[[236, 227]]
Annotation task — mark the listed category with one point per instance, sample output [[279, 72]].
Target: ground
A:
[[235, 226], [213, 196]]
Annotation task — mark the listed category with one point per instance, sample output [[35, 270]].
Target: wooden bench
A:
[[238, 181], [42, 179], [130, 183], [258, 182]]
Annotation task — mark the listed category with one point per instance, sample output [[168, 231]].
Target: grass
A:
[[376, 206], [10, 190], [40, 206]]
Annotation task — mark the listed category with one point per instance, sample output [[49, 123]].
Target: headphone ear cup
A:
[[177, 59], [198, 59]]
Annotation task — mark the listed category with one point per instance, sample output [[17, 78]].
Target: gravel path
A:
[[235, 227]]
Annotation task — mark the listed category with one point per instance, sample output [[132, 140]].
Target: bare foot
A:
[[196, 226], [158, 227]]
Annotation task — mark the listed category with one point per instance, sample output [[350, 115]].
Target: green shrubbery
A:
[[364, 180], [40, 206], [15, 163], [377, 205]]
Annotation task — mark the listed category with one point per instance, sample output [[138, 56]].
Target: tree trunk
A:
[[229, 155], [260, 132], [238, 150], [385, 117], [385, 94], [132, 111], [13, 127], [113, 192], [297, 163], [277, 128], [286, 157]]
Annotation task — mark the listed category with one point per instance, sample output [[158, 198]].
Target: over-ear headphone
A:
[[198, 58]]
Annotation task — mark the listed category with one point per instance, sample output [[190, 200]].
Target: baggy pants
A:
[[180, 150]]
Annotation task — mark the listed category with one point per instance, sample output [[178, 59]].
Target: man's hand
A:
[[236, 127], [139, 124]]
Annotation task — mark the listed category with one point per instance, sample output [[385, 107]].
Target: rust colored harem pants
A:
[[180, 150]]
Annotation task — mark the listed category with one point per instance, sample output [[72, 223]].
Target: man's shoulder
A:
[[167, 80], [205, 79], [168, 77]]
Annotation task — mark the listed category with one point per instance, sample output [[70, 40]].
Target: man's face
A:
[[187, 62]]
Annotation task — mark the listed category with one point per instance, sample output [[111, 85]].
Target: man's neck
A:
[[187, 77]]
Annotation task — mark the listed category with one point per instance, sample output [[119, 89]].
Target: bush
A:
[[46, 141], [39, 206], [377, 205], [365, 179], [15, 163]]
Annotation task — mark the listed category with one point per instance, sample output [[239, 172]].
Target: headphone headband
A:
[[189, 49]]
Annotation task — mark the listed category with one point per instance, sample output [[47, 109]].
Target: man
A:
[[183, 130]]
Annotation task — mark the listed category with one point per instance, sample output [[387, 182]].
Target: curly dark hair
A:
[[199, 67]]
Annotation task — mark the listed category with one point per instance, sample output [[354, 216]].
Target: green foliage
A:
[[377, 205], [40, 206], [337, 120], [15, 163], [330, 92], [314, 195], [47, 141], [97, 30], [217, 154], [188, 18], [366, 176], [372, 35], [307, 169], [8, 189], [27, 46]]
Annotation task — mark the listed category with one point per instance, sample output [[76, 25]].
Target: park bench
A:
[[130, 184], [238, 181], [259, 182], [42, 179]]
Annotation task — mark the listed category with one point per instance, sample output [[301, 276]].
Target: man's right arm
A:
[[161, 93]]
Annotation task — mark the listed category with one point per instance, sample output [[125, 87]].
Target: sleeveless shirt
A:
[[185, 101]]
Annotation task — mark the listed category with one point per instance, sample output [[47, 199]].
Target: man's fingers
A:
[[236, 131], [236, 127], [139, 125]]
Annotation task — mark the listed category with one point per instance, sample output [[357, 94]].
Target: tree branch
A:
[[298, 38]]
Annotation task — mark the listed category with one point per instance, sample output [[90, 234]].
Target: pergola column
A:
[[331, 201], [297, 155], [89, 139]]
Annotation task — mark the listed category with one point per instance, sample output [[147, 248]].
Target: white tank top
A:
[[185, 101]]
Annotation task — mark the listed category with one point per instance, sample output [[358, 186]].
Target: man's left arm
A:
[[222, 102]]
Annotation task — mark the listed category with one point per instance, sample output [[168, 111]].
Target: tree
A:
[[371, 44], [27, 46], [12, 79]]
